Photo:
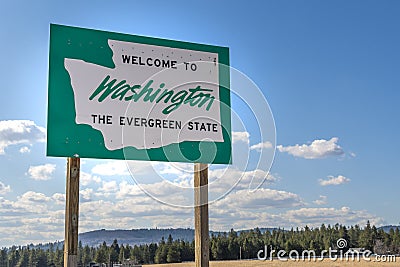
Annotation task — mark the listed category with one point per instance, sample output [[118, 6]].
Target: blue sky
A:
[[329, 70]]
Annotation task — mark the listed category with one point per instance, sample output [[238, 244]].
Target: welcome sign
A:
[[120, 96]]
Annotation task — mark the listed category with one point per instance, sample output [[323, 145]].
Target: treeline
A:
[[225, 246]]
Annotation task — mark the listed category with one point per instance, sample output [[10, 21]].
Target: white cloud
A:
[[41, 172], [317, 149], [115, 167], [24, 150], [177, 178], [86, 194], [240, 137], [32, 218], [31, 196], [258, 175], [86, 178], [128, 190], [4, 189], [35, 217], [344, 215], [321, 201], [58, 198], [180, 173], [9, 208], [109, 187], [32, 202], [332, 180], [221, 219], [166, 192], [260, 199], [174, 168], [13, 132], [96, 208], [163, 188], [223, 180], [261, 146]]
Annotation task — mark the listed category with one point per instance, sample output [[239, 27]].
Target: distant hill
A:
[[142, 236], [134, 236], [387, 228], [147, 236]]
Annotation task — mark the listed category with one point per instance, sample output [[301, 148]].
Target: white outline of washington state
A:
[[86, 78]]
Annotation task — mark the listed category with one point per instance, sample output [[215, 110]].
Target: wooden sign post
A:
[[201, 228], [72, 213]]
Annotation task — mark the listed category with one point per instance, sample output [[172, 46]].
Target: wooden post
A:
[[201, 229], [72, 213]]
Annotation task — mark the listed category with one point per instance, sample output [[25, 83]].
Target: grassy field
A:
[[276, 263]]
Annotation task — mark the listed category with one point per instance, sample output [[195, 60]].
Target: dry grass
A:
[[276, 263]]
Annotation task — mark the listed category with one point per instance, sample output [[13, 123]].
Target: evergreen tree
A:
[[80, 253], [121, 256], [354, 232], [161, 252], [173, 254], [224, 246], [114, 252], [233, 246], [102, 254], [366, 237], [86, 255], [24, 258], [50, 254], [41, 259], [152, 252], [146, 254], [3, 257], [395, 237], [137, 254], [187, 254], [219, 247], [59, 257], [13, 256], [169, 240]]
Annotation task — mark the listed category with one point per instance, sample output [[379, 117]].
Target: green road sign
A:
[[120, 96]]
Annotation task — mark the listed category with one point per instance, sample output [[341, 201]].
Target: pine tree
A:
[[86, 255], [146, 254], [24, 258], [173, 254], [59, 257], [121, 256], [102, 254], [366, 237], [233, 246], [396, 241], [219, 247], [152, 251], [13, 256], [161, 252], [3, 257], [354, 232], [187, 254], [169, 240], [137, 254], [50, 254], [41, 259], [80, 252]]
